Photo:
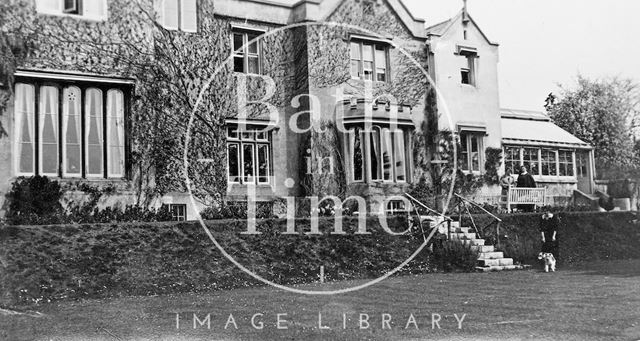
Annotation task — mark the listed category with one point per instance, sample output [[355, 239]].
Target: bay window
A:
[[248, 156], [61, 129], [378, 155]]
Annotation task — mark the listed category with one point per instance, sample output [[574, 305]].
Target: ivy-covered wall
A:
[[171, 68]]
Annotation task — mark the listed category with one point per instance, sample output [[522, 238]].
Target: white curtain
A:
[[115, 133], [94, 154], [387, 153], [48, 130], [71, 131], [399, 155], [24, 130]]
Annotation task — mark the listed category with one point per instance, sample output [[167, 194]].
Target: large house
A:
[[72, 110]]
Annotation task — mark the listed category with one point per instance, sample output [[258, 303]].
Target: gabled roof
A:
[[441, 28], [283, 12]]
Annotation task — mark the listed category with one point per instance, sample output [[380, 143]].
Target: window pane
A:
[[232, 132], [115, 133], [465, 76], [399, 155], [464, 152], [49, 130], [248, 136], [548, 162], [381, 75], [24, 127], [387, 156], [475, 153], [237, 43], [355, 51], [530, 160], [374, 154], [367, 52], [71, 131], [254, 65], [512, 159], [253, 46], [248, 158], [357, 152], [94, 152], [238, 64], [263, 163], [355, 69], [189, 15], [233, 154], [381, 64], [170, 14], [368, 70]]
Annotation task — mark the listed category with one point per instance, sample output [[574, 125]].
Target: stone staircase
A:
[[488, 258]]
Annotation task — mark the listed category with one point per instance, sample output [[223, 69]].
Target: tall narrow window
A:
[[71, 132], [530, 160], [233, 154], [399, 156], [48, 122], [381, 63], [115, 133], [375, 161], [470, 152], [355, 60], [467, 70], [263, 163], [464, 152], [367, 58], [358, 154], [246, 52], [24, 129], [248, 166], [387, 155], [474, 146], [94, 140], [548, 162]]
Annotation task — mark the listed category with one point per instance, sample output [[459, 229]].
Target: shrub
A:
[[34, 200], [451, 255], [237, 210]]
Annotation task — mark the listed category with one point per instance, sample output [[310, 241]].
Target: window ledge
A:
[[75, 16], [556, 179]]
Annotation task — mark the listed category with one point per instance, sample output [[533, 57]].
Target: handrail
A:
[[477, 205], [427, 207]]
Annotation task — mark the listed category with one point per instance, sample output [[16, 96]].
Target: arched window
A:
[[115, 133], [48, 133], [24, 156], [71, 132], [94, 133]]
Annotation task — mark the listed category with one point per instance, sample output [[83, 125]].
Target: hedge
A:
[[582, 236], [44, 263]]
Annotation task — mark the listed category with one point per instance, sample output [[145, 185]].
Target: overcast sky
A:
[[545, 42]]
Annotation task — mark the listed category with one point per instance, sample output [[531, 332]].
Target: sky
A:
[[544, 43]]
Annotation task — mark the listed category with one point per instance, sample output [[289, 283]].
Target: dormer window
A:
[[369, 60]]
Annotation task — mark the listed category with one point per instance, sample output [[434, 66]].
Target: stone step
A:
[[495, 262], [472, 241], [462, 230], [491, 255], [462, 236], [483, 248], [500, 268]]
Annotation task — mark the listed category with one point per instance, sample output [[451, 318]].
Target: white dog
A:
[[549, 261]]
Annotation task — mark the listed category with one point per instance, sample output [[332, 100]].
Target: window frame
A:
[[539, 152], [59, 9], [469, 69], [466, 145], [84, 85], [241, 141], [374, 62], [177, 216], [180, 10], [245, 54]]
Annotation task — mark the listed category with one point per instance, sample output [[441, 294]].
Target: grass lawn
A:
[[599, 301]]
